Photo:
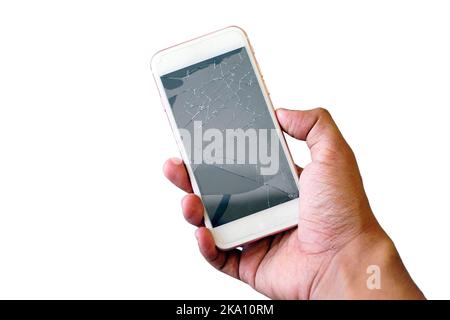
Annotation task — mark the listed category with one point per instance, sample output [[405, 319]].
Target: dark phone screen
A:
[[229, 135]]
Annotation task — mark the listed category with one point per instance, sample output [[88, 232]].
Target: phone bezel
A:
[[256, 225]]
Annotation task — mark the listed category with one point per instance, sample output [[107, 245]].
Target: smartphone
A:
[[225, 126]]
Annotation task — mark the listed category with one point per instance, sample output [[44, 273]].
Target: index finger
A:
[[175, 172]]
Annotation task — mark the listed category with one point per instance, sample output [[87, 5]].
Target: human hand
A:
[[337, 237]]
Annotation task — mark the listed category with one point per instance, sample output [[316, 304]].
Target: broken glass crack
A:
[[223, 93]]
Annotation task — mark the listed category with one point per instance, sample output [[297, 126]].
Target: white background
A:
[[84, 209]]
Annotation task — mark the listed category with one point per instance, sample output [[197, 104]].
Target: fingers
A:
[[225, 261], [192, 208], [191, 204], [317, 128], [251, 257], [175, 171]]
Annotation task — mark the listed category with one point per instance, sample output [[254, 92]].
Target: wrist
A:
[[368, 267]]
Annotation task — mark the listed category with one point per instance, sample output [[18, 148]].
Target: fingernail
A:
[[197, 234], [176, 161], [281, 111]]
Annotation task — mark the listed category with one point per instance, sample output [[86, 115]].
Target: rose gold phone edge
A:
[[224, 234]]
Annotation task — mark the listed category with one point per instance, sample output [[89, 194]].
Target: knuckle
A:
[[323, 112]]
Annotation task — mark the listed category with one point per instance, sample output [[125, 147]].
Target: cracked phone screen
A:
[[223, 93]]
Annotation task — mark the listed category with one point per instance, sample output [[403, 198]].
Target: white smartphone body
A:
[[224, 124]]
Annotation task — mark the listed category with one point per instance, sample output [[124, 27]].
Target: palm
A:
[[270, 265]]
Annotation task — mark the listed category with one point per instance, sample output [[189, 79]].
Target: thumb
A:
[[318, 129]]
